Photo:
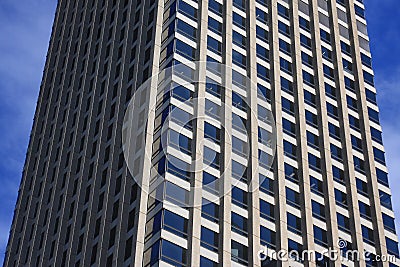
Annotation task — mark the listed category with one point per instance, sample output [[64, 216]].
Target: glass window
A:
[[205, 262], [185, 50], [239, 253], [239, 224], [263, 72], [325, 36], [291, 173], [304, 23], [214, 25], [215, 7], [326, 53], [286, 66], [285, 47], [382, 177], [359, 164], [373, 115], [305, 41], [343, 223], [286, 85], [210, 211], [266, 185], [210, 183], [288, 127], [368, 234], [187, 9], [345, 48], [388, 222], [356, 143], [267, 210], [308, 78], [354, 123], [289, 149], [239, 171], [392, 247], [173, 254], [238, 101], [312, 140], [211, 157], [239, 20], [366, 60], [262, 16], [341, 198], [238, 58], [314, 162], [334, 131], [371, 96], [267, 237], [262, 52], [316, 186], [283, 28], [294, 223], [262, 34], [175, 224], [338, 174], [385, 200], [283, 11], [318, 210], [320, 236], [209, 239], [330, 91], [212, 132], [376, 135], [214, 45], [241, 4], [307, 59], [365, 210], [362, 187], [332, 110], [287, 106], [359, 11], [379, 156], [336, 152], [186, 29], [239, 197], [239, 39], [292, 198]]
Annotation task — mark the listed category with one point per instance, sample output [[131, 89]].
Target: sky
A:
[[25, 28]]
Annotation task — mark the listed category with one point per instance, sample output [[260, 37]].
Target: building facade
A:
[[208, 180]]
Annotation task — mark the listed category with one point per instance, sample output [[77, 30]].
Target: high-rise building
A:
[[270, 142]]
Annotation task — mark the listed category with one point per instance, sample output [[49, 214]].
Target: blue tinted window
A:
[[373, 115], [294, 223], [379, 156], [267, 237], [239, 224], [262, 34], [173, 254], [386, 200], [239, 197], [392, 246], [382, 176], [388, 222], [376, 135], [209, 239], [292, 198], [267, 210]]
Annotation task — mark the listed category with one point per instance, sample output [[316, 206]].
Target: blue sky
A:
[[25, 28]]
